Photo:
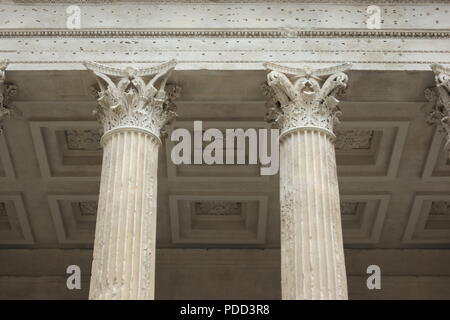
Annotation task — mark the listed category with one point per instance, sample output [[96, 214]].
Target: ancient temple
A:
[[357, 91]]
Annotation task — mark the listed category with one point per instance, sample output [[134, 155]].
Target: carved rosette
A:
[[300, 98], [7, 91], [135, 98], [439, 96]]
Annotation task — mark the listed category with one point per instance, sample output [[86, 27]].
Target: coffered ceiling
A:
[[394, 175]]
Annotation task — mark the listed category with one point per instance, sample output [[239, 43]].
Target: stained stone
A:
[[312, 253], [124, 249]]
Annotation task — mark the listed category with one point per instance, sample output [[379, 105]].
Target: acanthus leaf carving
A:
[[131, 97], [7, 91], [300, 97], [439, 96]]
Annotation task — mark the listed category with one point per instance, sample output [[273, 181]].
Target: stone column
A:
[[132, 111], [439, 96], [303, 105], [7, 90]]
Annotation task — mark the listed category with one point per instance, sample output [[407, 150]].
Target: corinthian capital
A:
[[300, 98], [137, 98], [439, 96], [7, 90]]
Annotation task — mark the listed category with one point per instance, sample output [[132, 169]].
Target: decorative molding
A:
[[7, 171], [397, 65], [276, 33], [439, 96], [440, 208], [357, 2], [363, 217], [350, 139], [349, 207], [217, 208], [77, 139], [3, 109], [88, 208], [130, 72], [14, 217], [74, 217], [307, 72], [131, 101], [437, 168], [424, 225], [303, 98], [385, 152], [229, 219], [2, 209], [50, 147]]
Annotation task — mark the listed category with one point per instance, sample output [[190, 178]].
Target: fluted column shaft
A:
[[124, 252], [303, 105], [133, 111], [313, 265]]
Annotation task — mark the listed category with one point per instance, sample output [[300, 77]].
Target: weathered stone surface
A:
[[132, 112], [312, 253], [7, 91], [230, 36], [439, 96], [221, 47]]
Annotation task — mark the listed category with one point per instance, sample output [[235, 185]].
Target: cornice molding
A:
[[355, 2], [280, 33]]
